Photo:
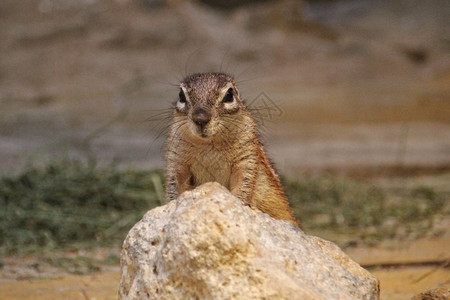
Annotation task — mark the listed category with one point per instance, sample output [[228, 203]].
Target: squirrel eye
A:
[[229, 97], [182, 97]]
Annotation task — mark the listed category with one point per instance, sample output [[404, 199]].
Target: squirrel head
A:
[[210, 104]]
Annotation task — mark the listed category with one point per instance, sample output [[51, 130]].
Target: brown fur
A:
[[211, 140]]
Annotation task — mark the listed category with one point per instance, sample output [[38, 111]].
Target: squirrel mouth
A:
[[200, 130], [203, 133]]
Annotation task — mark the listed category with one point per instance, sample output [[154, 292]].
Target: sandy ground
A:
[[401, 280], [395, 284]]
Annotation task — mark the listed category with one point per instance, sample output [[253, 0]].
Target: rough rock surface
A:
[[207, 245]]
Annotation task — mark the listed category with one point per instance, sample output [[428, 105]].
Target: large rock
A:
[[207, 245]]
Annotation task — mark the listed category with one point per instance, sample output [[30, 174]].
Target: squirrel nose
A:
[[201, 117]]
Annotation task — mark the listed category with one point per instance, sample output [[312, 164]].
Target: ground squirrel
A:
[[213, 137]]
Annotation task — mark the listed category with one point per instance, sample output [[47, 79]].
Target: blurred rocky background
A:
[[349, 87]]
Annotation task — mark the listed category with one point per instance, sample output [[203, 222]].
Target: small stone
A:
[[434, 294]]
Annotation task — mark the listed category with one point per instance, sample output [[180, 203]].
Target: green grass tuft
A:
[[73, 205], [69, 203], [365, 211]]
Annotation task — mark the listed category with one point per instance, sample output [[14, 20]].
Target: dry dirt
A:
[[395, 284], [403, 270]]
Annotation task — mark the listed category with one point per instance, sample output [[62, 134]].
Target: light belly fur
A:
[[211, 166]]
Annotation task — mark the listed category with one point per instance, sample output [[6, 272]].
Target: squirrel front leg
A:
[[171, 188], [243, 179], [178, 180]]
